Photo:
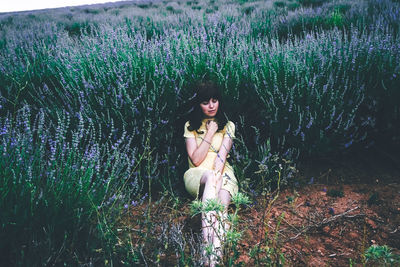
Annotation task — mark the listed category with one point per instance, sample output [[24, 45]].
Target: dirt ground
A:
[[339, 208], [318, 229], [344, 206]]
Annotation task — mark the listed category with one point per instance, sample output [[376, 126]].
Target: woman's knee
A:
[[225, 197], [209, 177]]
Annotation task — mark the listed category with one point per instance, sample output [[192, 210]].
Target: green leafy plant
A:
[[376, 254], [374, 199], [335, 192], [230, 236]]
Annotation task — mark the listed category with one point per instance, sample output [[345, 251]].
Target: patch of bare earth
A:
[[315, 228]]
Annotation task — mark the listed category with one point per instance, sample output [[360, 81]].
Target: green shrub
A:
[[279, 4], [60, 199], [209, 10], [381, 255], [75, 29], [374, 199], [293, 6], [248, 10], [335, 193], [312, 3], [91, 11]]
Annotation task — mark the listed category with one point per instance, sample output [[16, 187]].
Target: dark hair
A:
[[205, 90]]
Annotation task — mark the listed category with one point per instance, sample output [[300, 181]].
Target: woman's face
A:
[[210, 107]]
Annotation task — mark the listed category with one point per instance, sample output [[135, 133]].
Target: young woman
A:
[[209, 136]]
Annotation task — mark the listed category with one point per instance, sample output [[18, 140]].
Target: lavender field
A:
[[93, 101]]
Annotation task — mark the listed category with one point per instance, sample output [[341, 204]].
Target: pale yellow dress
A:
[[193, 175]]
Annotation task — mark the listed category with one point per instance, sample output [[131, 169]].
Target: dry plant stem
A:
[[267, 212], [327, 221], [362, 249], [266, 216]]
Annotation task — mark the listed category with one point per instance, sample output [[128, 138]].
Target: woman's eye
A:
[[214, 100]]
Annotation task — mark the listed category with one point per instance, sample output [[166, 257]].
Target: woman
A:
[[209, 138]]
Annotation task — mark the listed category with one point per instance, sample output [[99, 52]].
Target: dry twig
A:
[[326, 221]]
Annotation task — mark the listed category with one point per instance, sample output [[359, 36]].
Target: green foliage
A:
[[293, 6], [312, 3], [273, 168], [374, 199], [342, 8], [381, 255], [279, 4], [248, 10], [173, 10], [231, 236], [189, 3], [308, 96], [209, 10], [91, 11], [240, 199], [269, 249], [77, 28], [335, 193], [56, 207], [145, 6]]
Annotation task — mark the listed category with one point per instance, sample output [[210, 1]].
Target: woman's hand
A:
[[218, 176], [212, 127], [219, 164], [220, 160]]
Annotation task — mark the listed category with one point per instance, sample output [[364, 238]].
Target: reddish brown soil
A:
[[317, 229]]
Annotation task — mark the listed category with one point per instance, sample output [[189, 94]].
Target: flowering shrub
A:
[[52, 188], [315, 92]]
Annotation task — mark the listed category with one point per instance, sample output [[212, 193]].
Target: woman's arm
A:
[[226, 146], [198, 154]]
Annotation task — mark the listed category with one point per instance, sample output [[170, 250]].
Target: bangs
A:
[[206, 91]]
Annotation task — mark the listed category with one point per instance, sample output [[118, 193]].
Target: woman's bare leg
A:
[[221, 223], [210, 192]]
